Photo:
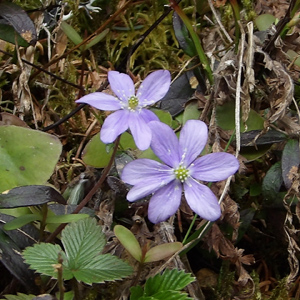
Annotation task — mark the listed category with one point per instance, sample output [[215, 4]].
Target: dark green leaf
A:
[[290, 161], [19, 20], [13, 261], [183, 37], [8, 34], [272, 184], [30, 195]]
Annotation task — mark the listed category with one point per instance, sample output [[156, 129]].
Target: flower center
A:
[[133, 102], [181, 173]]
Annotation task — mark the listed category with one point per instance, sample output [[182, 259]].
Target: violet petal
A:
[[140, 131], [214, 167], [165, 143], [121, 84], [201, 200], [148, 115], [101, 101], [154, 87], [142, 170], [114, 125], [144, 189], [165, 202], [192, 140]]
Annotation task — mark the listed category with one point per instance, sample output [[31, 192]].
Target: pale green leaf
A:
[[82, 240], [172, 280], [44, 259], [28, 156], [129, 241], [19, 296], [162, 251], [66, 218], [95, 153], [71, 33], [102, 268], [21, 221], [97, 39]]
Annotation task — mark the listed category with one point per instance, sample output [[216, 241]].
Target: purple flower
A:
[[130, 107], [180, 172]]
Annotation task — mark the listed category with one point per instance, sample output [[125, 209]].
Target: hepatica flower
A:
[[129, 106], [180, 171]]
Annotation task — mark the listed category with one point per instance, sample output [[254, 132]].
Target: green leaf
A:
[[21, 221], [191, 111], [162, 251], [44, 259], [95, 154], [271, 184], [15, 16], [226, 120], [127, 141], [8, 34], [164, 116], [71, 33], [290, 161], [82, 241], [136, 292], [65, 218], [183, 37], [102, 268], [29, 195], [12, 260], [264, 21], [171, 295], [97, 39], [129, 241], [28, 156], [170, 280], [19, 296]]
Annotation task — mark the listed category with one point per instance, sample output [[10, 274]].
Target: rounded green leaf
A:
[[95, 153], [128, 240], [162, 251], [28, 156]]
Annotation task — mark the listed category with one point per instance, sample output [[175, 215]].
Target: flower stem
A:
[[202, 56]]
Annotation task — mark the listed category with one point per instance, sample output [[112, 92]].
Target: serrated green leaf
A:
[[82, 241], [171, 280], [19, 296], [44, 259], [171, 295], [28, 156], [94, 154], [102, 268], [129, 241], [136, 292], [162, 251]]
